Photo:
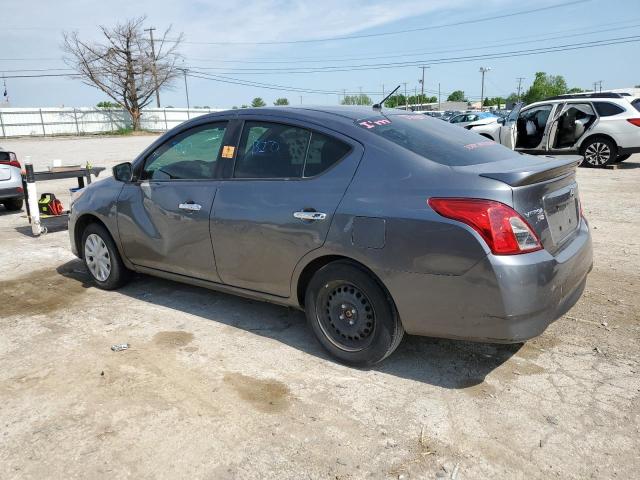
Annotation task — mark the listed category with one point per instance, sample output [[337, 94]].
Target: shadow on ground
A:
[[444, 363]]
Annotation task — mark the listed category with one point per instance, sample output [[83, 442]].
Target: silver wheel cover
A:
[[97, 258]]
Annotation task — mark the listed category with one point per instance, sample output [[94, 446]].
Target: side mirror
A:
[[123, 172], [501, 120]]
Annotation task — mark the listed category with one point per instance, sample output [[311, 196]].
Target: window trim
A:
[[201, 126], [311, 130]]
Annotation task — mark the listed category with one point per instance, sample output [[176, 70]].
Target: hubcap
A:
[[96, 256], [597, 153], [346, 316]]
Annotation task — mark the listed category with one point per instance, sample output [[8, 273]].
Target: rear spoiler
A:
[[537, 173]]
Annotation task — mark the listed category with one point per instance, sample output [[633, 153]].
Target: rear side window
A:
[[271, 150], [274, 150], [606, 109], [323, 153], [434, 139], [636, 104]]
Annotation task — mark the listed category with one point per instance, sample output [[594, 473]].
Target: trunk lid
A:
[[545, 193]]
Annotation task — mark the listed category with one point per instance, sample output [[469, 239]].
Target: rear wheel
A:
[[13, 204], [102, 258], [599, 152], [351, 314], [622, 158]]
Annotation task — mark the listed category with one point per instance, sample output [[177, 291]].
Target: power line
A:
[[408, 53], [398, 32], [443, 60]]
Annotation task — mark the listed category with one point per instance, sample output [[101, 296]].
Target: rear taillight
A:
[[504, 230], [13, 160], [634, 121]]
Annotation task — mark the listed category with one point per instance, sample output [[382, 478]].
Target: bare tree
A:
[[122, 66]]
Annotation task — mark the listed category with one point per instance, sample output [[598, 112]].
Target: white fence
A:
[[19, 122]]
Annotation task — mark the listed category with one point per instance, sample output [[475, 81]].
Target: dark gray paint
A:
[[441, 275]]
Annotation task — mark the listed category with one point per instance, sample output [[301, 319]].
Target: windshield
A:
[[433, 139]]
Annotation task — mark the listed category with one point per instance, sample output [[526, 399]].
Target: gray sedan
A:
[[376, 223]]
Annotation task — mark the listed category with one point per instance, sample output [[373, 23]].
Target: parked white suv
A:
[[604, 128], [11, 194]]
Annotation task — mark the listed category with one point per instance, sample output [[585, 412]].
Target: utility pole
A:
[[422, 81], [186, 87], [154, 70], [520, 79], [406, 100], [300, 99], [360, 96], [483, 70], [415, 97], [438, 95]]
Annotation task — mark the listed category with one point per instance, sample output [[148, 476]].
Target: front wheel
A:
[[102, 258], [352, 315], [599, 152]]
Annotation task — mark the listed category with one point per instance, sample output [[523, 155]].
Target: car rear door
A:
[[278, 199], [163, 216]]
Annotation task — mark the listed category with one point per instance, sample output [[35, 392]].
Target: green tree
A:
[[545, 86], [281, 101], [637, 86], [575, 90], [106, 104], [361, 99], [511, 99], [257, 102], [244, 105], [456, 96]]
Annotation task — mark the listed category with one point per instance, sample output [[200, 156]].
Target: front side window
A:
[[191, 155], [271, 150]]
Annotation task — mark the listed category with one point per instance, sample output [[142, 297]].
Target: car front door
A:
[[278, 200], [507, 133], [163, 215]]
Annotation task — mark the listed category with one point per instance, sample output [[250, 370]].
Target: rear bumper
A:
[[11, 192], [505, 299]]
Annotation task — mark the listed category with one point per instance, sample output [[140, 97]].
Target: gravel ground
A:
[[216, 386]]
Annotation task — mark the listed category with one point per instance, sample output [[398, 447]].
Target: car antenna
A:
[[378, 106]]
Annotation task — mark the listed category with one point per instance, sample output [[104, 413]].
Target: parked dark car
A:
[[374, 222]]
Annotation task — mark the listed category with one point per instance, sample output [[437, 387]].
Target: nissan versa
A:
[[375, 222]]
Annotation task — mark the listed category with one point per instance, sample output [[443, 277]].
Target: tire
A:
[[352, 315], [102, 258], [599, 152], [13, 204], [622, 158]]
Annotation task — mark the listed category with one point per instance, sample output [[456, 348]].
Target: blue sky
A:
[[32, 34]]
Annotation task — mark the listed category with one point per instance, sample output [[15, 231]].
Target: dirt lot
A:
[[218, 387]]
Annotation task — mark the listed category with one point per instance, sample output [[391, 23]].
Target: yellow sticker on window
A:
[[228, 151]]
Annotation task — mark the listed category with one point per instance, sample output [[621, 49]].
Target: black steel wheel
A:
[[351, 314], [346, 316]]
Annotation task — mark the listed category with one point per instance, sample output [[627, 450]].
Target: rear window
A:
[[636, 104], [434, 139], [606, 109], [4, 156]]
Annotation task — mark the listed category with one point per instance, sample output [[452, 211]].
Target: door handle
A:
[[309, 215], [190, 206]]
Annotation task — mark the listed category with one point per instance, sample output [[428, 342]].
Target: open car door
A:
[[569, 126], [508, 131]]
